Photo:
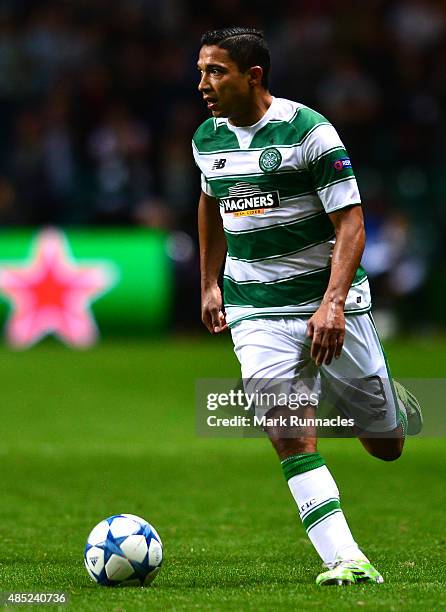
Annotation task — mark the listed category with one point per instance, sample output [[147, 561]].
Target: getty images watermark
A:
[[238, 398], [231, 408], [326, 408], [248, 402]]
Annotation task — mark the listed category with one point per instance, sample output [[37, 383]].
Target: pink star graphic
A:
[[52, 295]]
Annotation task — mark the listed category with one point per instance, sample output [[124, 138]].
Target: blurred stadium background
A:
[[98, 104], [98, 192]]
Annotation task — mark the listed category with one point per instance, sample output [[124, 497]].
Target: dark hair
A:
[[246, 47]]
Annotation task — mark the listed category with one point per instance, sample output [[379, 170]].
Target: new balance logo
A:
[[219, 164]]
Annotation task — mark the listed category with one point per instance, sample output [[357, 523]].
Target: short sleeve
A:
[[330, 168], [206, 187]]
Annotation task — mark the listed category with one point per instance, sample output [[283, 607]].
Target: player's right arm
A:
[[212, 254]]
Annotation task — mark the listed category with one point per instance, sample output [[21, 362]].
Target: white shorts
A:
[[274, 353]]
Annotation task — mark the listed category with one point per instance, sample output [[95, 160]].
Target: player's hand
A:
[[211, 310], [326, 328]]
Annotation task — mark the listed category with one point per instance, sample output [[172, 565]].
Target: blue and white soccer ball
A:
[[123, 550]]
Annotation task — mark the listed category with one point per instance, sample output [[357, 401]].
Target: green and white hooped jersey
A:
[[276, 181]]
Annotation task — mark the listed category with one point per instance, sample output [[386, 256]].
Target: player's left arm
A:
[[326, 327]]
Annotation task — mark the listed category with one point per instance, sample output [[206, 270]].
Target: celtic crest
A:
[[270, 160]]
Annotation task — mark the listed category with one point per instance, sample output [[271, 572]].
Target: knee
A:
[[384, 449], [388, 455]]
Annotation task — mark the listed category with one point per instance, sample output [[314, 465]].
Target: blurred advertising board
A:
[[79, 284]]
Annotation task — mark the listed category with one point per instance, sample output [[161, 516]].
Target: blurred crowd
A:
[[98, 103]]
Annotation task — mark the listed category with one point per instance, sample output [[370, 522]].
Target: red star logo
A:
[[51, 294]]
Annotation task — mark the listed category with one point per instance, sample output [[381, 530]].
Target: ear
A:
[[255, 75]]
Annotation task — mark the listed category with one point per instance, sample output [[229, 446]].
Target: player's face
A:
[[224, 88]]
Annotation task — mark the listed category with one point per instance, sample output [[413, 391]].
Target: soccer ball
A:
[[123, 550]]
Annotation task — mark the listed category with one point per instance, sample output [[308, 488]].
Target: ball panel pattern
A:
[[155, 553], [135, 548], [99, 533], [94, 560], [123, 526], [118, 568]]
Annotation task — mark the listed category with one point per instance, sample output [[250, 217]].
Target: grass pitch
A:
[[87, 435]]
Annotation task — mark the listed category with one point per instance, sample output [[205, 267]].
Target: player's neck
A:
[[254, 110]]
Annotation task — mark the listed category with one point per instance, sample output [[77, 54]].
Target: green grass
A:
[[87, 435]]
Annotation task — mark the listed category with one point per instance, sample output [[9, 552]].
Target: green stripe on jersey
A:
[[305, 120], [281, 132], [212, 138], [293, 291], [279, 240], [289, 184], [360, 276], [208, 138], [323, 170], [286, 134]]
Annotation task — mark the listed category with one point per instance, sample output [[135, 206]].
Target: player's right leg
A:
[[390, 446], [270, 352], [410, 410], [360, 384]]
